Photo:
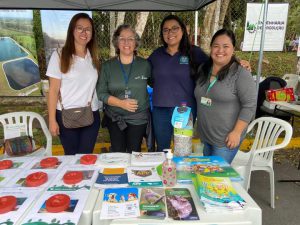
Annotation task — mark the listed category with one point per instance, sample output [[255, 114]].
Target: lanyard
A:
[[211, 84], [125, 75]]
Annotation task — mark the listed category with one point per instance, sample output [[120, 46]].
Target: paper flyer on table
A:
[[80, 160], [20, 162], [39, 214], [7, 175], [115, 159], [139, 176], [120, 203], [88, 176], [25, 199], [111, 177], [20, 179], [147, 158], [62, 161]]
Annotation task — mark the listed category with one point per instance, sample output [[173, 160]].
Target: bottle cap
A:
[[169, 154], [183, 103]]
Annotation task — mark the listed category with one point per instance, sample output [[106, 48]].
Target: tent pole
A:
[[196, 28], [262, 43]]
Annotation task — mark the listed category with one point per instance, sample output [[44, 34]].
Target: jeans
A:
[[78, 140], [226, 153], [163, 129]]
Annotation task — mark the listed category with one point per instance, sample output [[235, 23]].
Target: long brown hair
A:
[[69, 48]]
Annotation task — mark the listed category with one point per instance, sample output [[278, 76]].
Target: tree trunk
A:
[[207, 28], [224, 7], [217, 16], [120, 18], [112, 27], [141, 20]]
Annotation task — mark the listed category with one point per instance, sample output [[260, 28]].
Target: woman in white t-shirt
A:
[[73, 75]]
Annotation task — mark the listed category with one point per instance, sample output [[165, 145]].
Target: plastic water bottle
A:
[[182, 121]]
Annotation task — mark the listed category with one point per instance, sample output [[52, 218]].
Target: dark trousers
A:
[[128, 140], [78, 140]]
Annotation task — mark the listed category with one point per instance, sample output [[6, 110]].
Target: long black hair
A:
[[204, 70], [185, 47]]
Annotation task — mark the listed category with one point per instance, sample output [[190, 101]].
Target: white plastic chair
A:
[[260, 156], [27, 119]]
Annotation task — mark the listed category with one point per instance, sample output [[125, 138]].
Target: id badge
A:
[[127, 93], [206, 101]]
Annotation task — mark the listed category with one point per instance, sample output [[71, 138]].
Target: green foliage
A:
[[274, 63]]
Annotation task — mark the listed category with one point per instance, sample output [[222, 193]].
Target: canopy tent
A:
[[115, 5]]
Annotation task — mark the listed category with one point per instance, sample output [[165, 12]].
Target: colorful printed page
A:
[[152, 203], [147, 158], [111, 177], [120, 203], [70, 214], [180, 204], [218, 189], [74, 178], [24, 199], [143, 176], [212, 166]]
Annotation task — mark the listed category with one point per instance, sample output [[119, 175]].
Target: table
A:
[[252, 214]]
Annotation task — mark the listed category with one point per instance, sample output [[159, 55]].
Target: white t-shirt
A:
[[78, 84]]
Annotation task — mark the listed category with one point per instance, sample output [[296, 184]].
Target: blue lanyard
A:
[[125, 75]]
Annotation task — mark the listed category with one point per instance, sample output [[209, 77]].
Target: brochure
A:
[[212, 166], [111, 177], [114, 159], [152, 203], [147, 158], [64, 214], [180, 204], [24, 199], [143, 176], [120, 203], [74, 178]]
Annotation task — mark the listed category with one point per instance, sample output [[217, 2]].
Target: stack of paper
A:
[[147, 158], [217, 194]]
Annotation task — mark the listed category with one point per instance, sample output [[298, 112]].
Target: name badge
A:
[[206, 101], [127, 93], [184, 60]]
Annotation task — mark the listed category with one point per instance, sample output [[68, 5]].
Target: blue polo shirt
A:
[[172, 83]]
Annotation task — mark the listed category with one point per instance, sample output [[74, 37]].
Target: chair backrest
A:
[[267, 84], [268, 129], [25, 119], [292, 80]]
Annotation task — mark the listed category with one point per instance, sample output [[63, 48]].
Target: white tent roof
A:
[[118, 5]]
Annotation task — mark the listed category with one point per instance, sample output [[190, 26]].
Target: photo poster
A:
[[55, 25], [275, 26], [19, 70]]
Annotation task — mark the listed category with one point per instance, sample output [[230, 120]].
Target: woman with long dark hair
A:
[[73, 74], [226, 98], [173, 66]]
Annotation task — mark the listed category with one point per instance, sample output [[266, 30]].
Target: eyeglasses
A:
[[80, 29], [123, 40], [173, 30]]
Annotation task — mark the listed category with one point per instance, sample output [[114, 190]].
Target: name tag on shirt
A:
[[184, 60], [127, 93], [206, 101]]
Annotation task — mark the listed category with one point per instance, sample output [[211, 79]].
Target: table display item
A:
[[73, 177], [180, 204], [139, 176], [5, 164], [182, 121], [7, 203], [120, 203], [152, 203], [58, 203], [88, 159], [283, 94], [169, 170], [19, 146], [112, 177], [147, 158], [49, 162], [36, 179]]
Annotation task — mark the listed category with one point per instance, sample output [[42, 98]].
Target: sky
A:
[[12, 13]]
